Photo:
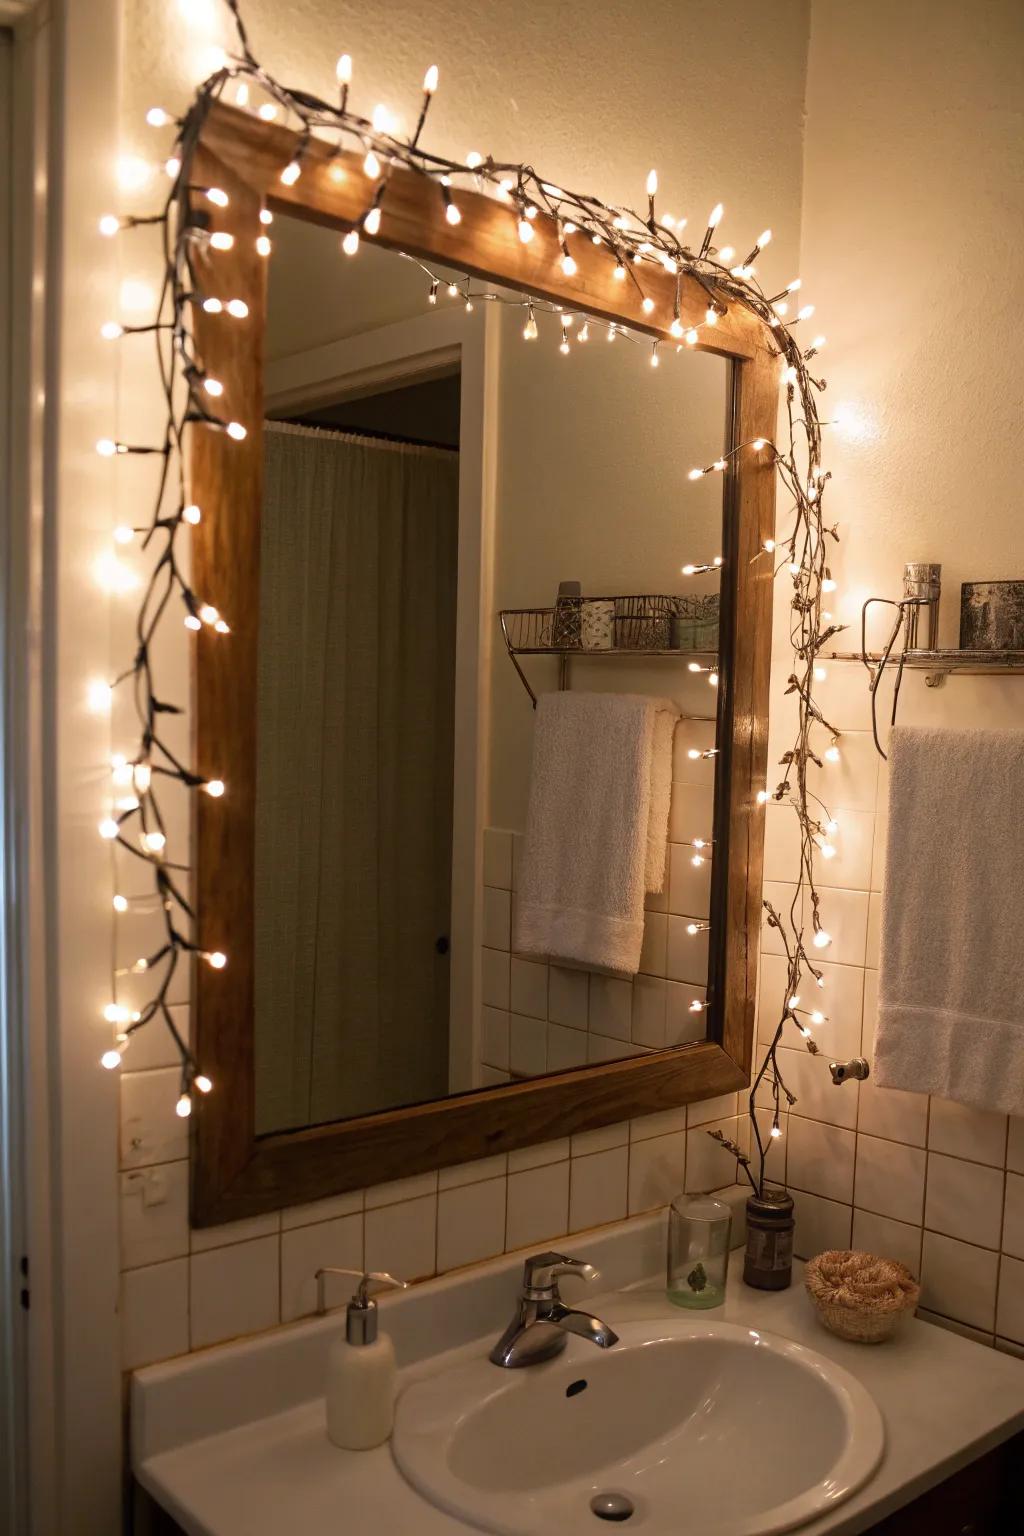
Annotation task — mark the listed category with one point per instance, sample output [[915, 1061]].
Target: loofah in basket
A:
[[860, 1296]]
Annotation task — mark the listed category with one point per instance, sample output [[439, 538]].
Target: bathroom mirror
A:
[[438, 439]]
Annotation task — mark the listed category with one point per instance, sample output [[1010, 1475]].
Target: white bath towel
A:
[[597, 827], [951, 985]]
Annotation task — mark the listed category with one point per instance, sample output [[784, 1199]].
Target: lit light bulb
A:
[[806, 312], [827, 851], [822, 939], [191, 622], [776, 1132], [820, 674], [172, 167], [110, 1059], [768, 546], [108, 828], [242, 95], [676, 328], [530, 328], [832, 827], [111, 331], [525, 231], [713, 679], [222, 627], [828, 585], [203, 1083], [584, 333], [726, 254], [652, 183], [817, 1017], [343, 69], [99, 697], [236, 430], [696, 1005], [268, 112], [153, 842], [569, 265], [120, 903], [266, 217], [214, 788], [695, 474], [832, 754], [372, 221], [692, 338], [221, 240], [655, 360], [109, 225], [452, 213], [212, 306], [620, 272], [238, 308], [123, 534], [216, 959], [758, 444], [711, 316], [371, 166], [382, 120], [350, 243], [263, 245], [213, 387], [763, 797], [191, 514], [647, 305], [697, 860], [764, 238], [183, 1108], [430, 80], [217, 196], [715, 216], [107, 448], [291, 173]]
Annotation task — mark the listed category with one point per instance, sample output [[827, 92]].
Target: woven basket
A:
[[860, 1296]]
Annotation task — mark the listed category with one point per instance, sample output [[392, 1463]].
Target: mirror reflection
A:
[[472, 507]]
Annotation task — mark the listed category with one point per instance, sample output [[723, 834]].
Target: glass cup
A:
[[699, 1229]]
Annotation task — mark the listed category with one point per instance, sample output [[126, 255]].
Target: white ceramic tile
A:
[[337, 1243], [601, 1048], [698, 736], [539, 1155], [518, 848], [401, 1189], [893, 1114], [610, 1006], [851, 783], [657, 1171], [567, 1048], [817, 1096], [205, 1238], [888, 1239], [597, 1188], [401, 1239], [844, 916], [498, 858], [890, 1179], [662, 1123], [528, 1045], [538, 1205], [154, 1313], [470, 1223], [155, 1046], [776, 1147], [964, 1200], [780, 894], [723, 1107], [820, 1159], [870, 1011], [1010, 1318], [494, 978], [1013, 1217], [881, 848], [472, 1173], [529, 991], [873, 943], [654, 953], [497, 918], [151, 1131], [1015, 1144], [692, 812], [689, 886], [601, 1139], [650, 1002], [567, 997], [960, 1131], [959, 1280], [154, 1214], [708, 1165], [494, 1037], [687, 953], [682, 1024], [322, 1210], [234, 1291], [820, 1225]]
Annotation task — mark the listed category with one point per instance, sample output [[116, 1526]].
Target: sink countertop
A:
[[945, 1401]]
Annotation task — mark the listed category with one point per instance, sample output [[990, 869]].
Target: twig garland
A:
[[633, 241]]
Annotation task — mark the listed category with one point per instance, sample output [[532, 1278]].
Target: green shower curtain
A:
[[354, 775]]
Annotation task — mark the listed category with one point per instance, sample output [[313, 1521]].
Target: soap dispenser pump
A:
[[360, 1392]]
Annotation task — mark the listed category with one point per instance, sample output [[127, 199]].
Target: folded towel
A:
[[597, 827], [951, 984]]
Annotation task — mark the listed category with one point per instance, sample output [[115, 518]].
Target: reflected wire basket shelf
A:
[[642, 626]]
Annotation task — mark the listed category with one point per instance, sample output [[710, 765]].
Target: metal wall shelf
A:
[[941, 664]]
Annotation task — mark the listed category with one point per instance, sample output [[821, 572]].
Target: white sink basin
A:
[[704, 1428]]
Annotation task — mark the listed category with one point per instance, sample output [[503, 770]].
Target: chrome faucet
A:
[[542, 1322]]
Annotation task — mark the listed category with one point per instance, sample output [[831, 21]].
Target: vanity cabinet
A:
[[985, 1498]]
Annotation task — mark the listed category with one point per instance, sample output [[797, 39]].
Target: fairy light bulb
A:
[[120, 903], [655, 359], [172, 168], [763, 797], [652, 183], [214, 788], [203, 1083], [350, 242], [569, 265], [371, 166], [213, 387], [530, 328], [183, 1108], [218, 196], [715, 216], [268, 112], [832, 753], [110, 1059], [711, 316], [220, 240], [832, 827], [757, 445], [794, 1001], [192, 622], [108, 829], [291, 173], [382, 120], [828, 585], [775, 1132], [525, 231], [153, 842], [237, 308], [820, 674], [191, 514], [212, 307], [696, 1006], [817, 1017], [647, 305], [692, 338], [111, 331], [764, 238], [827, 851], [583, 334], [263, 245], [372, 221], [822, 940], [620, 272], [452, 213], [343, 69], [109, 225], [216, 959], [99, 697], [430, 80], [806, 312]]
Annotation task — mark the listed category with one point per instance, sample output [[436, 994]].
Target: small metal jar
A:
[[768, 1262]]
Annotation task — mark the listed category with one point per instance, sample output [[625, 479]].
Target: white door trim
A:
[[381, 359]]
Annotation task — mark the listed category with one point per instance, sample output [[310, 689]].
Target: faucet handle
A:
[[542, 1270]]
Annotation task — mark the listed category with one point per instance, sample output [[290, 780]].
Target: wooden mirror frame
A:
[[236, 1173]]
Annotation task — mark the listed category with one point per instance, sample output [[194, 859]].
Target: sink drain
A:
[[611, 1506]]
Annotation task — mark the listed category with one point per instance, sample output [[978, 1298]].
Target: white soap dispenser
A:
[[360, 1390]]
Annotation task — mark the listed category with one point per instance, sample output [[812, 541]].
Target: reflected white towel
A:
[[597, 827], [951, 984]]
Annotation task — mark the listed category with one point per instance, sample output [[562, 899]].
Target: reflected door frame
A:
[[389, 357]]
